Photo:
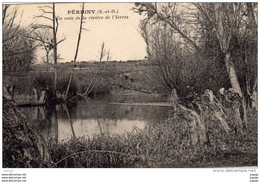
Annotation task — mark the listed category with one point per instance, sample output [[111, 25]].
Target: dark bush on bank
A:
[[45, 81]]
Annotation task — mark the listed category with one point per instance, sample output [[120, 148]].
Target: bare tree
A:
[[9, 16], [49, 14], [95, 79], [76, 52]]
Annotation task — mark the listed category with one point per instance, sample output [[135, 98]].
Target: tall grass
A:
[[168, 144]]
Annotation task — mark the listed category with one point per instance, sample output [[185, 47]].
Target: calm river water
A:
[[93, 117]]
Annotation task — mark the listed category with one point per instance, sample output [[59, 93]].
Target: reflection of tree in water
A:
[[69, 118], [44, 120], [108, 116], [102, 110], [94, 117], [105, 125]]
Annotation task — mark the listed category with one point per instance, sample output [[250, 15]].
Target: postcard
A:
[[169, 85]]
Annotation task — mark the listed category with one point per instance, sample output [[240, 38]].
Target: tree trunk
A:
[[254, 95], [244, 112], [232, 74], [68, 87], [56, 125], [236, 86], [251, 17], [55, 79], [76, 53], [54, 48], [47, 60], [254, 100], [252, 24]]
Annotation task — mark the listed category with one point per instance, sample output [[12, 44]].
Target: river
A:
[[90, 118]]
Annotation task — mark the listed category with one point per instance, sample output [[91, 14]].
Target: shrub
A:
[[45, 81]]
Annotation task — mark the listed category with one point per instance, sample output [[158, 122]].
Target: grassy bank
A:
[[168, 144]]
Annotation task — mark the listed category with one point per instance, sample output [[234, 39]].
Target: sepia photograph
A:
[[130, 85]]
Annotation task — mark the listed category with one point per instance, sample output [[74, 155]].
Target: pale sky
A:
[[121, 36]]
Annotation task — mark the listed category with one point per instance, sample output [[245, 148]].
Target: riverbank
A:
[[168, 144]]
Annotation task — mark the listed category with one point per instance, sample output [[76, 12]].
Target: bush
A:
[[62, 84], [101, 87], [18, 49], [45, 81]]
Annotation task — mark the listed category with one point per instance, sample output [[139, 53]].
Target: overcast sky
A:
[[121, 36]]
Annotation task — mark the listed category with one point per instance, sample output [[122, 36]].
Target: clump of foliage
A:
[[45, 81], [42, 80], [62, 84], [18, 53]]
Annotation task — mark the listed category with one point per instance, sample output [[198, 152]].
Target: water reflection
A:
[[91, 127], [45, 120], [90, 118]]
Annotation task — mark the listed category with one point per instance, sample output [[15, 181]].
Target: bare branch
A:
[[85, 29], [152, 11], [46, 12], [42, 16], [60, 41], [39, 26]]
